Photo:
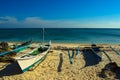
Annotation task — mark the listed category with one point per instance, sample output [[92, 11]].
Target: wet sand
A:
[[57, 66]]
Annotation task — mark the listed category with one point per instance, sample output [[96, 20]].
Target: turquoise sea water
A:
[[62, 35]]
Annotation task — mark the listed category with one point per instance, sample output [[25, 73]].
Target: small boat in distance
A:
[[17, 48], [33, 57]]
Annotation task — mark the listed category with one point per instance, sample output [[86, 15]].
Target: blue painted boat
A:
[[18, 48]]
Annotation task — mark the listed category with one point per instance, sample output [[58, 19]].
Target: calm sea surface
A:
[[62, 35]]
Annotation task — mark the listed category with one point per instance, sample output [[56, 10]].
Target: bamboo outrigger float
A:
[[18, 48]]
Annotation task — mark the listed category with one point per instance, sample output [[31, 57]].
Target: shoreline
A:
[[82, 43]]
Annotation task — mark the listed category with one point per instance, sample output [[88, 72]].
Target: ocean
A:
[[62, 35]]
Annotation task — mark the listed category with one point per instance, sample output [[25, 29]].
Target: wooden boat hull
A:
[[27, 63]]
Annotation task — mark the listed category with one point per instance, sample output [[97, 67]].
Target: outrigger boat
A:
[[29, 59], [17, 48], [33, 57]]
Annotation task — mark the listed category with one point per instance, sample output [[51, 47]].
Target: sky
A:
[[60, 13]]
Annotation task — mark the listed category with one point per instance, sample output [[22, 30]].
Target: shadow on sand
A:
[[60, 63], [90, 57], [11, 69]]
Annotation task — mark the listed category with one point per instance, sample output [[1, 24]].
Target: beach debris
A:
[[70, 58], [60, 63], [6, 58], [64, 48], [110, 70], [50, 51], [4, 45], [60, 48]]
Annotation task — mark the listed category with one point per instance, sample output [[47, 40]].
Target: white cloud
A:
[[8, 19], [31, 22]]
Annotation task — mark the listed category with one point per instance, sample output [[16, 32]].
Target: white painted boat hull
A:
[[27, 63]]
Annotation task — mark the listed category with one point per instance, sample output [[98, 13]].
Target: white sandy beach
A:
[[48, 69]]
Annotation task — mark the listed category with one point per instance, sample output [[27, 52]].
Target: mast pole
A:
[[43, 35]]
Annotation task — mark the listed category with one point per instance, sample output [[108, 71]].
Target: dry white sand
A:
[[48, 69]]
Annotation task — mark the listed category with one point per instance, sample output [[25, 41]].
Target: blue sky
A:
[[60, 13]]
